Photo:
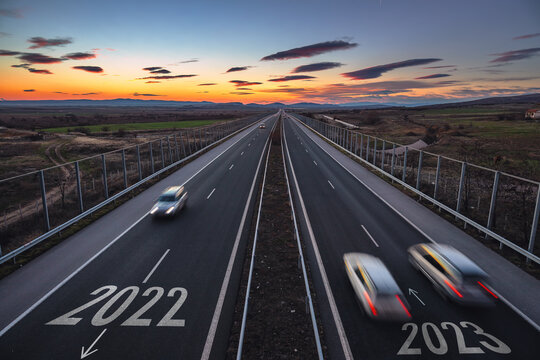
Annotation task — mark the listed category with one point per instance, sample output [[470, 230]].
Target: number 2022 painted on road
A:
[[499, 347], [100, 319]]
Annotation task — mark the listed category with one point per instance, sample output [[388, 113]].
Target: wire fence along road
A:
[[36, 205], [499, 205]]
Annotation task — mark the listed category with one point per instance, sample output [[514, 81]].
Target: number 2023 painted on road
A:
[[100, 319], [499, 347]]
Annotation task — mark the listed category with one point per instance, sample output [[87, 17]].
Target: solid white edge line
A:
[[368, 234], [155, 266], [224, 286], [506, 301], [211, 192], [333, 307], [70, 276], [331, 185]]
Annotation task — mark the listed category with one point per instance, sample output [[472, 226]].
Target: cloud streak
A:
[[40, 71], [80, 56], [29, 90], [166, 77], [243, 83], [316, 67], [515, 55], [40, 42], [8, 53], [137, 94], [377, 71], [528, 36], [310, 50], [12, 13], [207, 84], [237, 68], [91, 69], [292, 77], [37, 58], [433, 76], [157, 70]]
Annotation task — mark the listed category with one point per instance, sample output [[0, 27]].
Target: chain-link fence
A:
[[36, 205], [499, 205]]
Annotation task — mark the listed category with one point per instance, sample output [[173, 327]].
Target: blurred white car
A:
[[453, 274], [172, 200], [375, 287]]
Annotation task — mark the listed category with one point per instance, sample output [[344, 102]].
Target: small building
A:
[[532, 114]]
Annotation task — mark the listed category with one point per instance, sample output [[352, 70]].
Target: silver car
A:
[[375, 287], [172, 200], [454, 275]]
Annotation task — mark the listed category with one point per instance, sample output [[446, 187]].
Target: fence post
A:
[[393, 161], [493, 202], [419, 174], [151, 158], [437, 175], [404, 174], [346, 141], [534, 226], [367, 149], [355, 143], [183, 145], [374, 160], [139, 163], [162, 156], [170, 149], [104, 171], [361, 145], [44, 200], [79, 192], [460, 189], [383, 154], [200, 138], [124, 168], [176, 148]]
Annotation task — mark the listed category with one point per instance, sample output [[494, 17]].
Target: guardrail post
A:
[[151, 158], [419, 173], [183, 145], [374, 160], [534, 226], [104, 171], [437, 175], [44, 200], [176, 148], [493, 202], [200, 138], [383, 154], [162, 156], [124, 168], [361, 145], [460, 189], [346, 139], [170, 149], [355, 143], [79, 192], [139, 163], [393, 161], [367, 148], [404, 174]]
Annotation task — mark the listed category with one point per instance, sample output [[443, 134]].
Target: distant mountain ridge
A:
[[525, 99]]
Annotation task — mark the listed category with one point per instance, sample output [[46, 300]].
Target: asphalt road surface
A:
[[166, 289], [339, 208]]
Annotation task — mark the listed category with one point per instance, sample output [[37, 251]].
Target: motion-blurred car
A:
[[262, 126], [454, 275], [172, 200], [375, 287]]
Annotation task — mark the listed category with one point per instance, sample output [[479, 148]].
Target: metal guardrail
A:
[[376, 157], [191, 145]]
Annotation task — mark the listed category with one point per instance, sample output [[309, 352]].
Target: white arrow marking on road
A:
[[415, 293], [88, 352]]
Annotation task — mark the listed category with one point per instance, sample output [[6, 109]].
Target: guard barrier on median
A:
[[502, 206], [36, 205]]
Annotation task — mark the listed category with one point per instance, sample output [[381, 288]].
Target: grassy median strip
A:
[[278, 325]]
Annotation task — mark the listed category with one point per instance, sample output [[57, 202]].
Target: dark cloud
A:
[[433, 76], [12, 13], [39, 71], [90, 93], [316, 67], [137, 94], [237, 68], [152, 68], [189, 61], [80, 56], [285, 90], [243, 83], [440, 67], [152, 82], [160, 71], [240, 93], [8, 53], [36, 58], [528, 36], [92, 69], [243, 88], [24, 66], [59, 92], [207, 84], [166, 77], [310, 50], [29, 90], [377, 71], [515, 55], [292, 77], [40, 42]]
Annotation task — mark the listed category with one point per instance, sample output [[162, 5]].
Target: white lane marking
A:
[[242, 153], [211, 192], [221, 299], [371, 237], [70, 276], [249, 144], [506, 301], [231, 166], [337, 319], [315, 163], [306, 150], [155, 266], [331, 184], [88, 352]]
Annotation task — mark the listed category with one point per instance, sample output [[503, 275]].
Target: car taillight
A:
[[373, 310], [404, 307], [487, 289], [453, 288]]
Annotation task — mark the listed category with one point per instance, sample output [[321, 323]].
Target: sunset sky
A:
[[400, 51]]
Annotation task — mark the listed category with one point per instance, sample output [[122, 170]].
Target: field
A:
[[163, 125]]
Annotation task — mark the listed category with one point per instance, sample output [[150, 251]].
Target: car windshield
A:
[[166, 198]]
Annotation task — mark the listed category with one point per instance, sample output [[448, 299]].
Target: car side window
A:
[[435, 263]]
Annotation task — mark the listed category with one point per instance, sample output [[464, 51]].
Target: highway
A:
[[164, 289], [340, 215]]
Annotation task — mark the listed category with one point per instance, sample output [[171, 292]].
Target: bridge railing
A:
[[37, 205], [500, 206]]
